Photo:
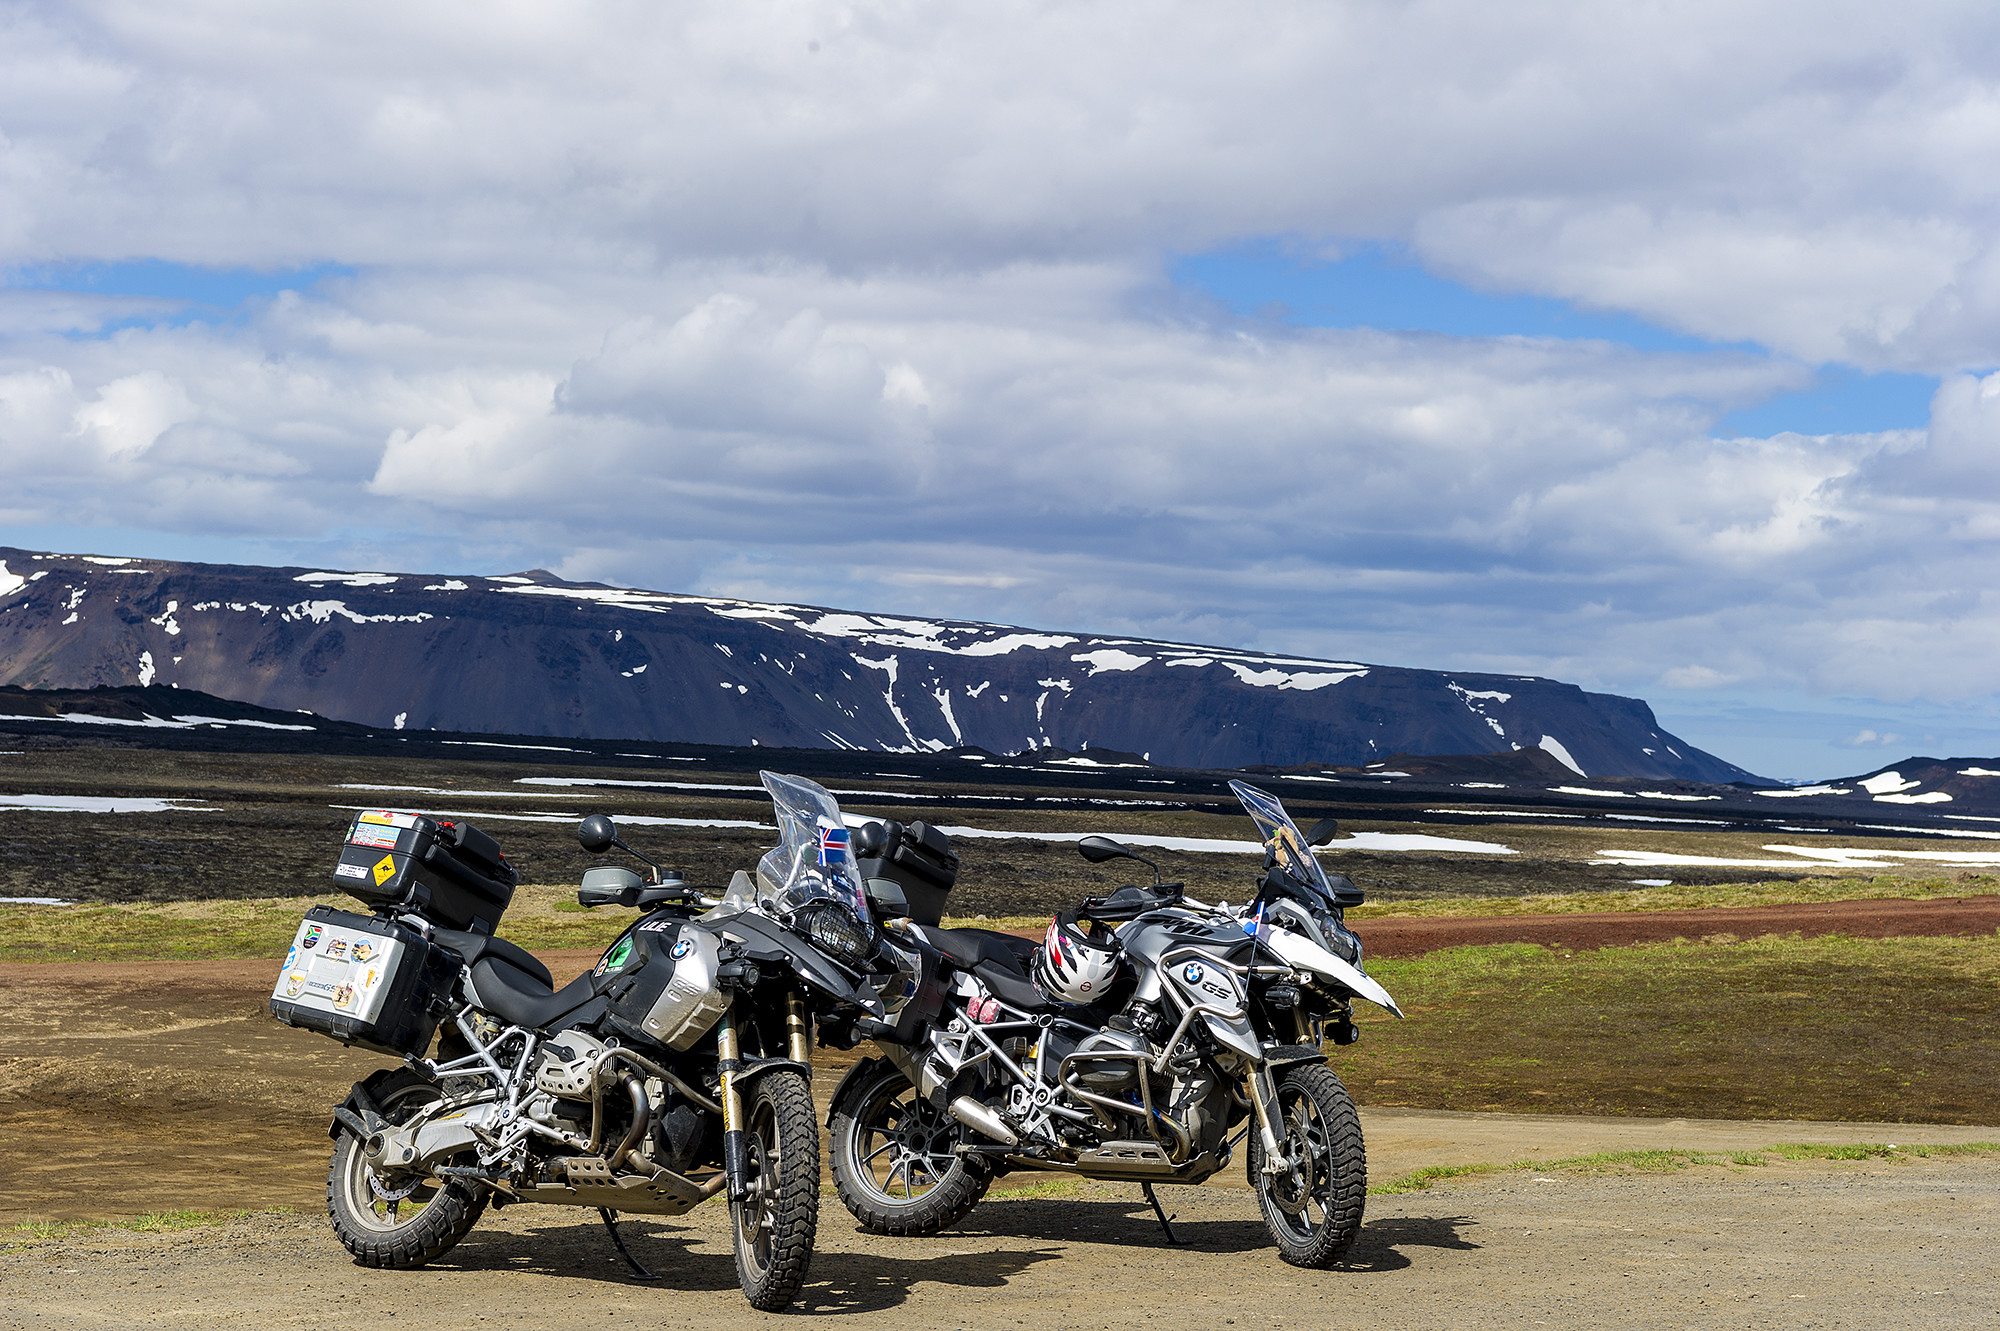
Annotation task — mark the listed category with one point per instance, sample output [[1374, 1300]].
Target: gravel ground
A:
[[1870, 1245]]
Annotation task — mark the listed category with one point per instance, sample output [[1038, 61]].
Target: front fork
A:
[[1270, 1121], [729, 1063]]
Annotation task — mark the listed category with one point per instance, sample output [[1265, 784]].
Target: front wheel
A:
[[1313, 1209], [895, 1158], [389, 1219], [776, 1222]]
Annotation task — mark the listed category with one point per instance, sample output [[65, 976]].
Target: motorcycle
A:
[[676, 1070], [1193, 1022]]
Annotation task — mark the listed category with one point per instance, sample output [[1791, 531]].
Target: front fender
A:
[[1279, 1057], [1301, 953], [751, 1070]]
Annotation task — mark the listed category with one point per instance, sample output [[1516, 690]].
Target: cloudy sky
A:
[[1649, 347]]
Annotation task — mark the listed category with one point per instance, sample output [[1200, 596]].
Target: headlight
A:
[[833, 929]]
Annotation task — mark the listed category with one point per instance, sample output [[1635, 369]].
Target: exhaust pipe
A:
[[981, 1119]]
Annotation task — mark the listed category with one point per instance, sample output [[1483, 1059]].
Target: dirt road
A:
[[1872, 1245]]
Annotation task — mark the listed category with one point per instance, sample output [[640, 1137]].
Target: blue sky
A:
[[1376, 287]]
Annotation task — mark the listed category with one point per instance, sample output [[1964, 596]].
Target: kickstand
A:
[[1159, 1211], [610, 1219]]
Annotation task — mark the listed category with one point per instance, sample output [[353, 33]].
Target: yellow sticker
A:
[[385, 870]]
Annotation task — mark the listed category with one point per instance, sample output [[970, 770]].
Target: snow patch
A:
[[566, 816], [351, 579], [150, 722], [401, 717], [1963, 771], [1797, 791], [229, 721], [1887, 783], [1928, 797], [1847, 857], [1669, 795], [10, 582], [1386, 841], [943, 697], [1014, 642], [495, 744], [1110, 659], [100, 804], [167, 620], [1304, 680], [145, 670], [321, 612], [1584, 790], [1554, 747]]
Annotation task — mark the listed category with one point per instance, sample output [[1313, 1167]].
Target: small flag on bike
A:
[[1257, 927], [833, 845]]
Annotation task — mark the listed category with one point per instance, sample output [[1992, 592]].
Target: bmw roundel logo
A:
[[1192, 973], [682, 948]]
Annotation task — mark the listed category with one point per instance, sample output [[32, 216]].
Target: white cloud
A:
[[864, 305]]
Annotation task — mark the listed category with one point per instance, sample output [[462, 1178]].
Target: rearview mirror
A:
[[597, 834], [1098, 849], [1322, 831]]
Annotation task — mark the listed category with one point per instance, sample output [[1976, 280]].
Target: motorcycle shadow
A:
[[1379, 1247], [692, 1261]]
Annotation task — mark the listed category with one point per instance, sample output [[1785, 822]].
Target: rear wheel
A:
[[389, 1219], [776, 1223], [895, 1158], [1313, 1209]]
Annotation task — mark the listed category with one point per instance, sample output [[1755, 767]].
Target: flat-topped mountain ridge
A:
[[534, 654]]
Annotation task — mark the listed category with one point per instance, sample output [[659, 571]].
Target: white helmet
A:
[[1072, 965]]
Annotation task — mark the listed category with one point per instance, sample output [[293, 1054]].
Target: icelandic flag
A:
[[1257, 926], [833, 845]]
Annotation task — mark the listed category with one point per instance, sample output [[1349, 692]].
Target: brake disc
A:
[[1291, 1190], [383, 1192]]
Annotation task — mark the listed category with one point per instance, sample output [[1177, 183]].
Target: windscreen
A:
[[1282, 838], [812, 861]]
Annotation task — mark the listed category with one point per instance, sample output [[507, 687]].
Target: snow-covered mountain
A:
[[533, 654]]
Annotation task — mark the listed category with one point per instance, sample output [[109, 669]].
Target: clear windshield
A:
[[812, 861], [1282, 838]]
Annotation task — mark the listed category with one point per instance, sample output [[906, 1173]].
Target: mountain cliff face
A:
[[533, 654]]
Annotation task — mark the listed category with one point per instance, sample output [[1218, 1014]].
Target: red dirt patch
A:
[[1950, 916]]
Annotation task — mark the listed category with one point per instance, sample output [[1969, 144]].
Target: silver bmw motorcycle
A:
[[1209, 1036]]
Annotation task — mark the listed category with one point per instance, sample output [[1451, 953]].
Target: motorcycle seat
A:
[[969, 947], [521, 999], [999, 960], [472, 947]]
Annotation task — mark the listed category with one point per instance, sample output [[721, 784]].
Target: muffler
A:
[[981, 1119]]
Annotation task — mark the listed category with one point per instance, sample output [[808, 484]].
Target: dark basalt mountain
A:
[[532, 654]]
